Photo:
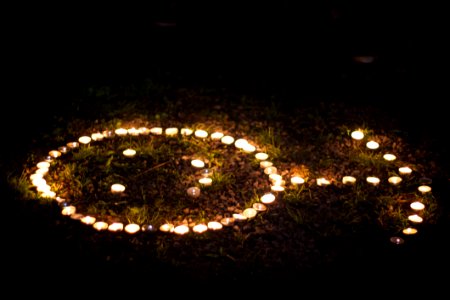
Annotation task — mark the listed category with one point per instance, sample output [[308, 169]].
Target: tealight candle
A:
[[389, 157], [395, 180], [239, 217], [417, 205], [171, 131], [166, 227], [97, 136], [249, 148], [42, 171], [348, 180], [405, 170], [72, 145], [43, 165], [68, 210], [297, 180], [409, 231], [197, 163], [63, 149], [121, 131], [270, 170], [193, 192], [200, 228], [259, 207], [424, 189], [133, 131], [240, 143], [108, 133], [200, 133], [373, 180], [397, 240], [216, 135], [156, 130], [265, 164], [268, 198], [249, 213], [415, 218], [88, 220], [132, 228], [144, 130], [43, 188], [227, 140], [275, 177], [227, 221], [261, 156], [55, 153], [372, 145], [186, 131], [36, 176], [117, 188], [181, 229], [206, 181], [48, 194], [213, 225], [277, 188], [116, 226], [84, 140], [100, 225], [322, 181], [129, 152], [357, 135]]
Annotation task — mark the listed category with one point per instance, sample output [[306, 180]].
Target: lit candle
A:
[[227, 221], [68, 210], [156, 130], [249, 212], [227, 140], [108, 133], [373, 180], [270, 170], [36, 176], [216, 135], [261, 156], [249, 148], [213, 225], [97, 136], [43, 188], [72, 145], [409, 231], [117, 188], [240, 143], [389, 157], [297, 180], [193, 192], [259, 207], [84, 140], [172, 131], [100, 225], [372, 145], [88, 220], [239, 217], [121, 131], [277, 188], [405, 170], [397, 240], [200, 228], [415, 218], [144, 130], [63, 149], [207, 172], [357, 135], [268, 198], [166, 227], [265, 164], [395, 180], [133, 131], [348, 180], [417, 205], [76, 216], [275, 177], [116, 226], [54, 153], [48, 194], [323, 181], [206, 181], [181, 229], [132, 228], [43, 165], [197, 163], [129, 152], [424, 189], [42, 171], [186, 131], [48, 158], [201, 133]]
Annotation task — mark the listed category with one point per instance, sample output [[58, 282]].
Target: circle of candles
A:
[[261, 156], [259, 207], [129, 152], [417, 205], [227, 221], [72, 145], [270, 170], [297, 180], [200, 133], [117, 188], [97, 136], [409, 231], [227, 140], [424, 189], [181, 229], [415, 218], [88, 220], [200, 228], [121, 131], [348, 180], [265, 164], [43, 165], [277, 188], [197, 163], [323, 181], [193, 192], [54, 153], [132, 228], [133, 131], [216, 135], [84, 140], [206, 181], [389, 157], [240, 143], [372, 145], [186, 131], [397, 240], [172, 131], [268, 198], [405, 170], [144, 130], [100, 225], [68, 210], [395, 180], [63, 149], [249, 212], [213, 225], [357, 135], [166, 227], [116, 226], [156, 130], [373, 180]]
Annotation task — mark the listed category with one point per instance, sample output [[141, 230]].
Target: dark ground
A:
[[299, 54]]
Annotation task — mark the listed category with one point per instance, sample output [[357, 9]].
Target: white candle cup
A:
[[181, 229], [261, 156], [100, 225], [35, 176], [227, 221], [372, 145], [156, 130], [275, 177], [268, 198], [121, 132], [97, 136], [323, 181], [88, 220], [394, 180], [416, 205], [405, 170], [270, 170], [133, 131], [43, 165], [116, 226], [239, 217], [424, 189], [348, 180], [240, 143], [249, 213], [213, 225], [84, 140], [277, 188], [186, 131], [373, 180], [216, 135], [409, 231], [171, 131], [227, 140], [415, 218], [117, 188], [297, 180], [42, 171], [197, 163], [68, 210], [265, 164], [55, 153], [166, 227], [201, 133], [129, 152], [193, 192], [206, 181], [144, 130], [132, 228], [357, 135], [200, 228], [389, 157]]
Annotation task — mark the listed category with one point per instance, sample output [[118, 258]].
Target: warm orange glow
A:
[[270, 170], [197, 163], [322, 181], [249, 148], [372, 145], [275, 177], [55, 153], [389, 157], [100, 225], [117, 188], [97, 136], [249, 212], [240, 143], [84, 140], [409, 231], [373, 180], [227, 140], [201, 133], [166, 227], [121, 131], [205, 181], [227, 221], [415, 218], [117, 226], [213, 225], [133, 131], [357, 135], [72, 145], [277, 188], [129, 152], [348, 180], [156, 130], [417, 205], [186, 131], [144, 130], [265, 164], [200, 228], [172, 131], [261, 156], [43, 165], [216, 135], [68, 210], [424, 189], [395, 180], [132, 228], [405, 170], [88, 220], [259, 207], [268, 198]]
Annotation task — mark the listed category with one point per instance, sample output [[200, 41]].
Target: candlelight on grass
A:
[[68, 210], [297, 180], [63, 149], [372, 145], [275, 177], [323, 181], [216, 135], [108, 133], [227, 221], [43, 165], [132, 228], [84, 140], [200, 228], [197, 163], [394, 180], [373, 180], [201, 133], [172, 131], [424, 189], [249, 213], [239, 217], [134, 132], [193, 192], [72, 145], [213, 225], [270, 170], [249, 148], [167, 227], [116, 226], [277, 188], [259, 207], [268, 198], [227, 140], [39, 177], [88, 220], [97, 136], [409, 231], [265, 164], [121, 131], [357, 135], [261, 156], [55, 153], [207, 172], [389, 157], [144, 130], [415, 218], [405, 170], [117, 188], [348, 180], [397, 240], [100, 225], [129, 152], [240, 143], [186, 131], [156, 130], [206, 181], [416, 205], [42, 171]]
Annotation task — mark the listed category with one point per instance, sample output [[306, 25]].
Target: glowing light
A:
[[97, 136], [84, 140], [297, 180], [116, 226], [213, 225], [240, 143], [197, 163], [55, 153], [42, 171], [134, 132], [36, 176], [129, 152], [261, 156], [348, 180], [227, 221], [417, 205], [172, 131], [357, 135], [424, 189], [201, 133], [415, 218], [239, 217], [389, 157], [227, 140], [373, 180], [206, 181], [88, 220], [200, 228], [277, 188], [193, 192], [249, 148], [132, 228], [166, 227], [121, 131], [156, 130], [68, 210], [144, 130], [270, 170], [63, 149], [186, 131], [323, 181], [397, 240], [275, 177], [405, 170], [43, 165], [268, 198], [249, 212], [409, 231], [265, 164], [117, 188], [372, 145], [72, 145], [216, 135], [100, 225], [259, 207], [395, 180]]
